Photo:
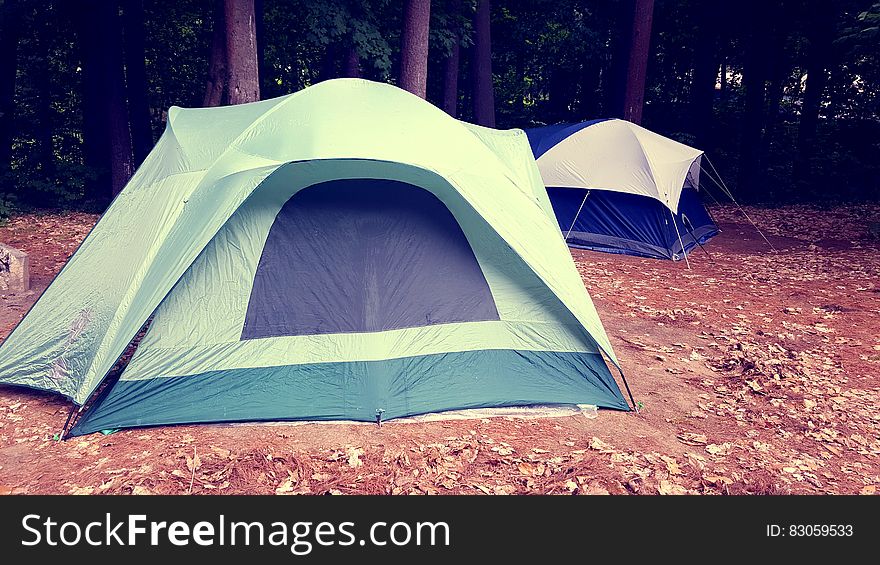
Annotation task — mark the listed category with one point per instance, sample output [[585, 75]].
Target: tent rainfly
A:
[[345, 252], [620, 188]]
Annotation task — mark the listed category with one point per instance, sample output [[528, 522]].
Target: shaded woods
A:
[[783, 94]]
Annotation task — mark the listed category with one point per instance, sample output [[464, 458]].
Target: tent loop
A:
[[578, 213], [683, 250]]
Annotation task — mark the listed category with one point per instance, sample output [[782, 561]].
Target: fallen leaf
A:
[[692, 438], [354, 457]]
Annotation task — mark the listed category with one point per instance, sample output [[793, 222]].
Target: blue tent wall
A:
[[616, 222]]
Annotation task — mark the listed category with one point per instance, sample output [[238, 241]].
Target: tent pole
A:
[[628, 391], [578, 213], [687, 223], [743, 212], [683, 250], [63, 435]]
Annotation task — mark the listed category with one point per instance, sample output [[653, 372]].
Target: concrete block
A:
[[14, 270]]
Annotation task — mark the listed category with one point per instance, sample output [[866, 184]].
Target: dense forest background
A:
[[782, 94]]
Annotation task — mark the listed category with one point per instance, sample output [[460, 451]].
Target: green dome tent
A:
[[345, 252]]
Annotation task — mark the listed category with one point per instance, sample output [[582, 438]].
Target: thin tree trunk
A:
[[614, 84], [589, 89], [777, 71], [136, 79], [122, 164], [451, 68], [9, 32], [242, 73], [634, 100], [414, 51], [106, 130], [819, 38], [215, 87], [352, 67], [328, 61], [559, 93], [754, 78], [484, 94], [262, 71], [704, 77], [45, 121]]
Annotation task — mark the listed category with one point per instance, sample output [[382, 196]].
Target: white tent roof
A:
[[621, 156]]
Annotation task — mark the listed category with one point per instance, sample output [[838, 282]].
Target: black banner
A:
[[398, 529]]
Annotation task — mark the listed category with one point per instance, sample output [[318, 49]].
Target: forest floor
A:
[[758, 372]]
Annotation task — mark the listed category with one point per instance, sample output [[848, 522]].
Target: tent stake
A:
[[578, 213]]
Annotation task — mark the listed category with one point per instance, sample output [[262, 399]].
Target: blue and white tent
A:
[[620, 188]]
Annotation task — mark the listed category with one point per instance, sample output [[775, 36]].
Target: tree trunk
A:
[[754, 78], [614, 84], [819, 36], [106, 131], [328, 62], [45, 147], [484, 94], [136, 79], [777, 71], [215, 87], [704, 77], [242, 73], [9, 32], [352, 62], [414, 51], [451, 68], [259, 31], [559, 90], [589, 89], [634, 99]]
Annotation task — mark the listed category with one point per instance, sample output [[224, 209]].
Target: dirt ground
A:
[[757, 372]]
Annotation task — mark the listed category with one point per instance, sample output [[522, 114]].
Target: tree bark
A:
[[777, 72], [136, 79], [614, 83], [215, 87], [559, 93], [484, 93], [819, 35], [9, 33], [259, 33], [414, 51], [704, 77], [589, 89], [242, 73], [634, 100], [754, 78], [45, 146], [105, 112], [451, 68], [328, 61], [352, 62]]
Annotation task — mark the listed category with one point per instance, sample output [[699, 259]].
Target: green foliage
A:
[[553, 61], [8, 207]]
